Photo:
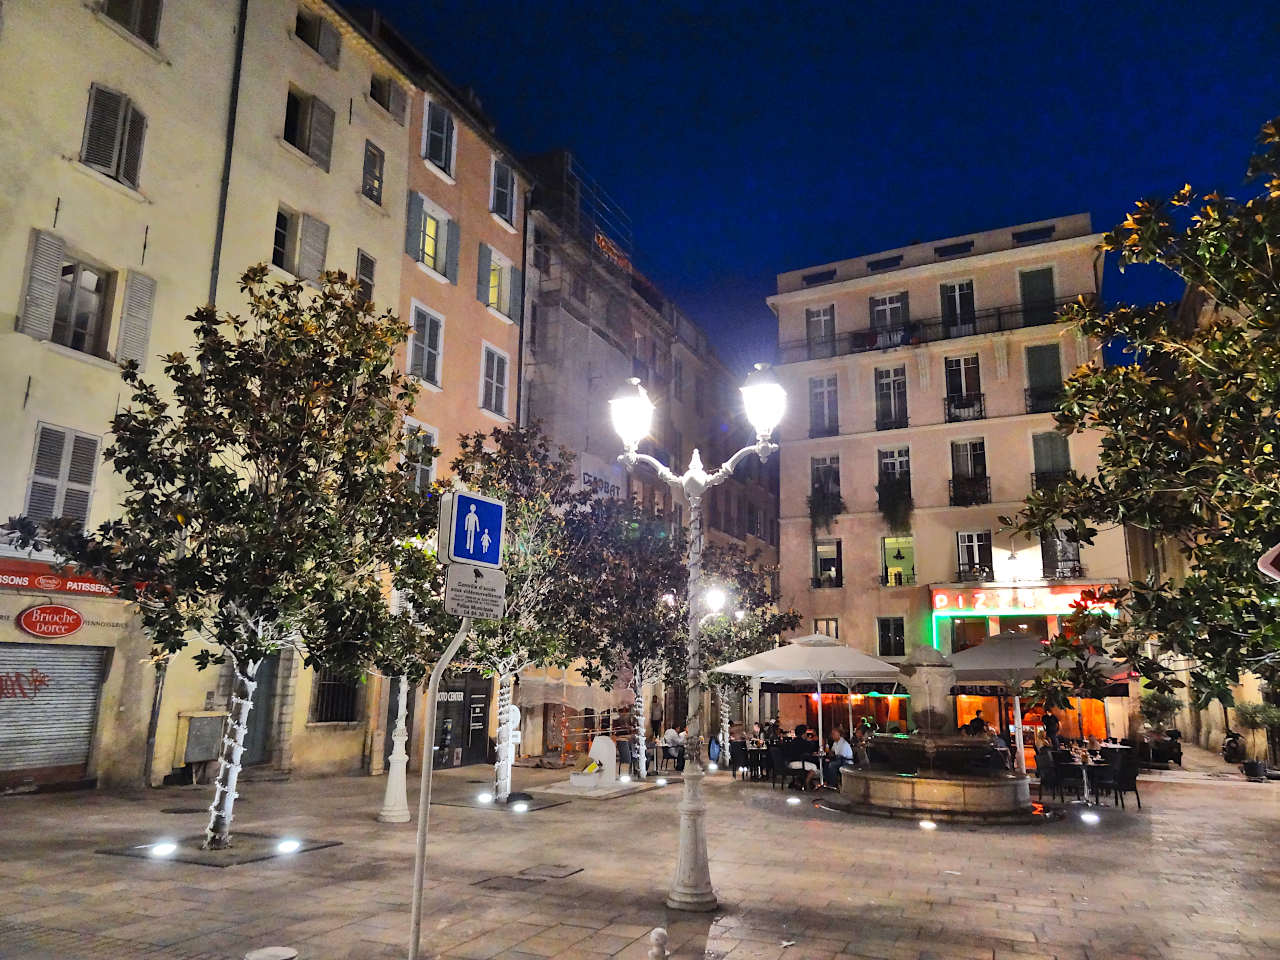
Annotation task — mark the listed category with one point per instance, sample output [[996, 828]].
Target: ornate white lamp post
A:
[[632, 415], [395, 800]]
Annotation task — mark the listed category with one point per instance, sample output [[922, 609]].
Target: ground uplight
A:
[[713, 767], [520, 807], [288, 846], [794, 801], [928, 825], [1090, 817], [165, 848], [485, 798], [661, 781]]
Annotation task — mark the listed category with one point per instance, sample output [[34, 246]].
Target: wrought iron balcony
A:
[[1063, 570], [927, 330], [899, 578], [974, 573], [964, 406], [893, 489], [1047, 479], [1043, 400], [891, 421], [820, 583], [969, 491]]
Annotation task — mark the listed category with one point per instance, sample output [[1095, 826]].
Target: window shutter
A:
[[960, 460], [517, 294], [320, 132], [418, 356], [84, 456], [313, 240], [452, 244], [431, 363], [482, 274], [906, 307], [1044, 369], [413, 226], [1050, 452], [135, 319], [41, 303], [46, 472], [102, 126], [149, 20], [330, 43], [871, 312], [134, 135], [499, 384], [397, 102], [984, 550]]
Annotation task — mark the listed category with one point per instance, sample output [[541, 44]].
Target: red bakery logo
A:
[[50, 620], [48, 582]]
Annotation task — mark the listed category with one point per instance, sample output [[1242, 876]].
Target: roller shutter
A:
[[48, 711]]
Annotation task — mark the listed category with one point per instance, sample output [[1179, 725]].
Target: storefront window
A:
[[967, 632]]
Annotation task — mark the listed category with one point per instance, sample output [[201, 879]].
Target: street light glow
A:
[[794, 801], [764, 399], [715, 599], [632, 414]]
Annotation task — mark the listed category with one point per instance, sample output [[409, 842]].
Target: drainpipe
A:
[[225, 186], [521, 418]]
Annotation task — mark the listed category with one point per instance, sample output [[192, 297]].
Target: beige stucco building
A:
[[922, 382]]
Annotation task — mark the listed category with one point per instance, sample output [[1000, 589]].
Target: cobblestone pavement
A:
[[1193, 875]]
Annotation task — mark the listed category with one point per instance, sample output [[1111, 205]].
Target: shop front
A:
[[75, 689]]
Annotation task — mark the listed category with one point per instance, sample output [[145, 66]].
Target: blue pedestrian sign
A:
[[471, 528]]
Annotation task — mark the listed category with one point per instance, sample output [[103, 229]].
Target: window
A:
[[827, 570], [418, 445], [824, 475], [578, 287], [114, 131], [1051, 456], [884, 263], [285, 235], [755, 521], [299, 243], [888, 311], [827, 626], [957, 307], [318, 34], [967, 632], [81, 318], [308, 125], [964, 400], [897, 561], [1022, 238], [698, 399], [503, 201], [371, 181], [62, 468], [824, 416], [677, 379], [969, 458], [892, 632], [437, 134], [953, 249], [431, 237], [139, 17], [1044, 378], [499, 285], [821, 276], [493, 396], [541, 255], [1037, 290], [364, 275], [1060, 557], [389, 95], [335, 697], [973, 552], [894, 461], [820, 331], [424, 345], [891, 398]]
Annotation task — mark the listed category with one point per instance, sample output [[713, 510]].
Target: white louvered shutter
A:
[[313, 240], [320, 132], [330, 43], [131, 152], [46, 473], [418, 355], [397, 102], [41, 302], [103, 125], [79, 484], [135, 320]]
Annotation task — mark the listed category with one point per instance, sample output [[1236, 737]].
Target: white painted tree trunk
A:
[[506, 749], [217, 836], [641, 758], [724, 727]]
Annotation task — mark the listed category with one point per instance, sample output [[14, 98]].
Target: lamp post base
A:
[[691, 890]]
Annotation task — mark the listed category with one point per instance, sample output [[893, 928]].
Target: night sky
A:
[[745, 140]]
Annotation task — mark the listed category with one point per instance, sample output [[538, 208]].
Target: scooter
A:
[[1233, 750]]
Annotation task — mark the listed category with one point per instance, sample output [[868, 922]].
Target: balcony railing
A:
[[899, 578], [1043, 400], [819, 583], [1063, 570], [823, 429], [891, 421], [929, 330], [893, 488], [964, 406], [1047, 479], [968, 491], [974, 573]]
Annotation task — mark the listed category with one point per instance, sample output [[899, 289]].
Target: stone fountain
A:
[[933, 771]]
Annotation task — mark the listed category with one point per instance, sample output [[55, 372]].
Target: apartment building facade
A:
[[924, 380]]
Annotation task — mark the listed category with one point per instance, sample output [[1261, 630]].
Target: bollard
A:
[[658, 944]]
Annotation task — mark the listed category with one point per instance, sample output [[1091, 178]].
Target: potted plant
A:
[[1159, 707], [1257, 716], [824, 506]]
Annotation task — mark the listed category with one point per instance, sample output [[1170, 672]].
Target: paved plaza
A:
[[1193, 875]]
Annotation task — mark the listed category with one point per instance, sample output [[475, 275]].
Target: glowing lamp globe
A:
[[632, 414], [764, 399], [715, 599]]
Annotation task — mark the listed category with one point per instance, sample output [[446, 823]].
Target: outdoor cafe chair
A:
[[1126, 778], [738, 757], [1047, 775]]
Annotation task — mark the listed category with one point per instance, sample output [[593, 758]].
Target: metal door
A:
[[257, 737], [48, 711]]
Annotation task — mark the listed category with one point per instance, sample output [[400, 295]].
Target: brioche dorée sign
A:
[[50, 620]]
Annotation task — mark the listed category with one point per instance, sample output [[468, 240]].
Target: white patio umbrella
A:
[[815, 658], [1012, 658]]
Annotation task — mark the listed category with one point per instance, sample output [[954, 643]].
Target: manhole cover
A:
[[508, 883], [550, 871], [185, 810]]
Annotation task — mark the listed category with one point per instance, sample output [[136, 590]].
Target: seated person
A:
[[674, 741], [841, 752], [757, 732], [798, 755]]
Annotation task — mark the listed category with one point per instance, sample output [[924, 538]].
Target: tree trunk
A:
[[217, 836], [641, 758], [724, 726], [506, 749]]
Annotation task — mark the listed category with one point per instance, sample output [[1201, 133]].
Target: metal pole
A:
[[1017, 734], [424, 793]]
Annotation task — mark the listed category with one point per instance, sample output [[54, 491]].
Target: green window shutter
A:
[[413, 226], [482, 274], [41, 302], [1050, 452], [313, 241], [1044, 368], [906, 307], [131, 153], [452, 244], [104, 122], [330, 43], [135, 319], [320, 132]]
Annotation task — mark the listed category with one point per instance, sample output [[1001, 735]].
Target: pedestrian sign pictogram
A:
[[471, 528]]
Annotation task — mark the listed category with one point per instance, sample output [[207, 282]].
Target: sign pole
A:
[[424, 793]]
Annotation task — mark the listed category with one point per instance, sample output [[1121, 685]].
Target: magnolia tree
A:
[[259, 497], [749, 624], [1189, 433], [520, 466], [628, 576]]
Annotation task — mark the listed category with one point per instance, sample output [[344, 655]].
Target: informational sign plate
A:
[[476, 592], [471, 528], [1269, 562]]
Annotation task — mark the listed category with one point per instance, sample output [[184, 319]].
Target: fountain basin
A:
[[932, 753], [1001, 798]]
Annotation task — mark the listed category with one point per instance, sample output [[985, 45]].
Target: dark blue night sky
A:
[[745, 140]]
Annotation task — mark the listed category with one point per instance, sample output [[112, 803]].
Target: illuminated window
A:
[[495, 286], [892, 635], [430, 240], [828, 627]]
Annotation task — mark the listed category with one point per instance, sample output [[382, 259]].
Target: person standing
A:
[[655, 715], [1051, 726]]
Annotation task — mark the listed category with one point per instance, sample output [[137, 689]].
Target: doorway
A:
[[258, 735]]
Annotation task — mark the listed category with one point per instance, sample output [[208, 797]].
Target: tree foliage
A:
[[1188, 432]]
